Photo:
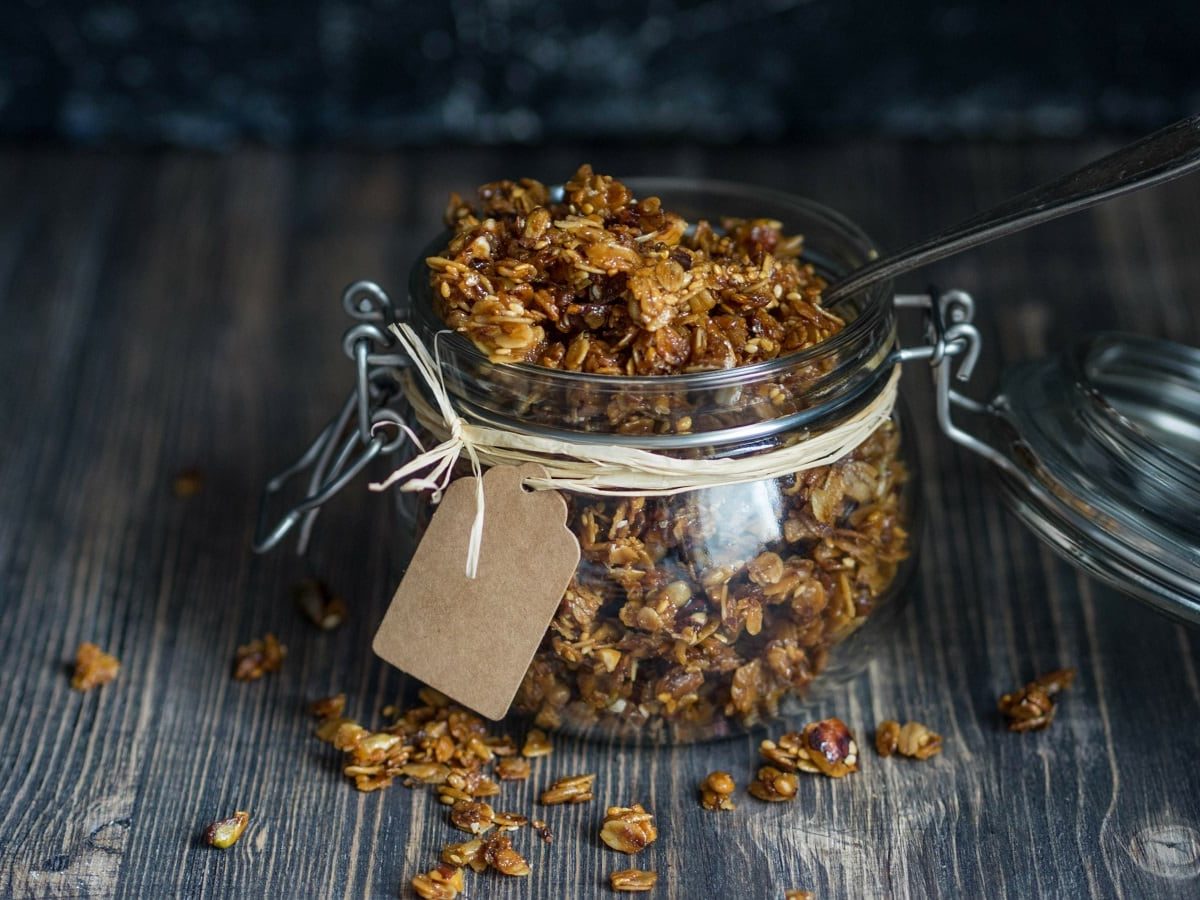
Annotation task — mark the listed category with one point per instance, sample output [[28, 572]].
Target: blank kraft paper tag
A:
[[473, 638]]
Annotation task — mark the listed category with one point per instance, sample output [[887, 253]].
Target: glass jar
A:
[[695, 615]]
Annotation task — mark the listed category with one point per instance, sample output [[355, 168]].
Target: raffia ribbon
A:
[[600, 469]]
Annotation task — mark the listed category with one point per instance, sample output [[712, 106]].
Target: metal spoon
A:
[[1159, 157]]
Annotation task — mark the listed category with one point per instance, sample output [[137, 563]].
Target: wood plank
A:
[[165, 311]]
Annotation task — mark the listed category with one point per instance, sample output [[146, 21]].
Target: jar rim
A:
[[876, 305]]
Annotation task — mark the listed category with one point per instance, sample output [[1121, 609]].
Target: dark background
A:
[[216, 73]]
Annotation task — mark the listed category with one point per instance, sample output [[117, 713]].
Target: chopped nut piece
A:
[[225, 832], [512, 768], [536, 744], [773, 785], [1032, 707], [468, 853], [329, 707], [93, 667], [187, 483], [472, 816], [799, 895], [543, 830], [259, 657], [319, 604], [887, 737], [500, 855], [572, 789], [445, 882], [716, 791], [633, 880], [628, 829]]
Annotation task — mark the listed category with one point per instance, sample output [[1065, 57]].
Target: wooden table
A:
[[160, 312]]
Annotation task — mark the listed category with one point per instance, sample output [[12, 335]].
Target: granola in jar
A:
[[591, 309]]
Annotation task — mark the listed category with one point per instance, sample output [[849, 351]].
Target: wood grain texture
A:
[[160, 312]]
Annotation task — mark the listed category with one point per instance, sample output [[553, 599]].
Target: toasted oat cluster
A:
[[719, 603], [572, 789], [434, 743], [224, 833], [716, 791], [628, 829], [633, 881], [826, 747], [910, 739], [93, 667], [256, 659], [606, 283], [1032, 707]]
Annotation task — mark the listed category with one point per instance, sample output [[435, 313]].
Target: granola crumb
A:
[[716, 791], [799, 895], [543, 830], [472, 816], [773, 785], [571, 789], [628, 829], [224, 833], [319, 604], [536, 744], [499, 853], [443, 882], [1032, 707], [329, 707], [468, 853], [256, 659], [887, 737], [633, 880], [93, 667], [512, 768], [917, 741], [187, 483]]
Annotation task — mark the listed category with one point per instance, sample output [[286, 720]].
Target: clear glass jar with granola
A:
[[684, 318]]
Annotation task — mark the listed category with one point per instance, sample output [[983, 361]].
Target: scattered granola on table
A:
[[912, 739], [633, 880], [1033, 706], [93, 667], [716, 791], [224, 833], [827, 747], [256, 659], [322, 607], [628, 829], [690, 609], [773, 785], [571, 789]]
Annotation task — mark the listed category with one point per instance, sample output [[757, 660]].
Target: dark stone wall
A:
[[212, 73]]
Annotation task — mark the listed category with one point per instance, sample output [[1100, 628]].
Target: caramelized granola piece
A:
[[256, 659], [224, 833], [536, 744], [329, 707], [472, 816], [716, 791], [93, 667], [628, 829], [887, 737], [499, 853], [512, 768], [633, 880], [443, 882], [774, 786], [319, 604], [571, 789], [1032, 707]]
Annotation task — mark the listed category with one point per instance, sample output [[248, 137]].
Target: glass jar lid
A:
[[1103, 462]]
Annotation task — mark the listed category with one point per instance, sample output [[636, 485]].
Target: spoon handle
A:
[[1159, 157]]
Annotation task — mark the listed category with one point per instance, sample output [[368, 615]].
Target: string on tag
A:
[[598, 469]]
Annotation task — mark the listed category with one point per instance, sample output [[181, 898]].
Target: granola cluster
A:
[[912, 739], [722, 602], [257, 658], [602, 282], [93, 667], [1032, 707]]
